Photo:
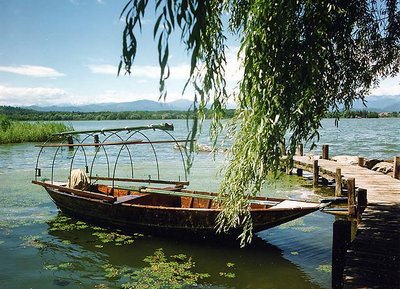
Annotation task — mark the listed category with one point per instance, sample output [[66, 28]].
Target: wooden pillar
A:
[[315, 173], [299, 172], [351, 197], [325, 152], [38, 172], [396, 168], [289, 166], [70, 140], [361, 161], [338, 181], [300, 151], [340, 242], [362, 201]]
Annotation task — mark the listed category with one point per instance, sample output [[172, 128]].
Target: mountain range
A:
[[374, 103], [139, 105], [380, 104]]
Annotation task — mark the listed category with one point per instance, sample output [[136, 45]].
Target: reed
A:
[[18, 132]]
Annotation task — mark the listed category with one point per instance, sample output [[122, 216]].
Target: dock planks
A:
[[373, 258]]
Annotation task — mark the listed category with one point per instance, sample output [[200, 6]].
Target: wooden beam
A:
[[396, 168], [300, 150], [362, 201], [351, 184], [133, 142], [165, 126], [340, 241], [361, 161], [81, 193], [338, 181], [315, 173], [148, 181], [325, 152]]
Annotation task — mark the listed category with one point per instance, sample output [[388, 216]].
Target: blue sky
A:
[[67, 51]]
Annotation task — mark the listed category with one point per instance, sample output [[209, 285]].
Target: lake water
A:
[[40, 248]]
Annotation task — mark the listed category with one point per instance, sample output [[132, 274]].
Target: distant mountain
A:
[[374, 103], [379, 103], [140, 105]]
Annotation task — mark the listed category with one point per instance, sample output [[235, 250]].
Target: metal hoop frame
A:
[[108, 133]]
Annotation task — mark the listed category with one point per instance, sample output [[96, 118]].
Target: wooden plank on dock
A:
[[373, 258]]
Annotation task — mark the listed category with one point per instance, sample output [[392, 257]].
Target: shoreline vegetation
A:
[[21, 114], [12, 131], [19, 125]]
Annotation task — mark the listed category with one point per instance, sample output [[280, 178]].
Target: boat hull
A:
[[162, 220]]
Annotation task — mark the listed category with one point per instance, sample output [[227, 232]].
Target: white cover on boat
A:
[[78, 180], [289, 204]]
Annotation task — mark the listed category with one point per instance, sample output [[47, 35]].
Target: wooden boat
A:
[[155, 205]]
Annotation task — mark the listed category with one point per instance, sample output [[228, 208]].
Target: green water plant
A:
[[64, 223], [61, 266], [33, 241], [229, 275], [18, 131], [116, 238], [326, 268], [111, 271], [175, 272]]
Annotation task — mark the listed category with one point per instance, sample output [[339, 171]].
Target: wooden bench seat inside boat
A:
[[128, 199]]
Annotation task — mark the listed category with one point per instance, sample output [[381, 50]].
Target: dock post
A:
[[338, 181], [351, 197], [340, 241], [299, 172], [300, 150], [70, 140], [396, 168], [361, 200], [361, 161], [315, 173], [325, 151], [289, 166], [96, 139]]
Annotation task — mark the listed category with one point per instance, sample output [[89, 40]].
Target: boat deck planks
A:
[[373, 258]]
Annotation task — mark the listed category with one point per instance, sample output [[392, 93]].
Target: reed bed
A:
[[18, 131]]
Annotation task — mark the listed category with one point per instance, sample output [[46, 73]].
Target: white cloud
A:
[[233, 71], [103, 69], [388, 86], [32, 70], [30, 95], [177, 72]]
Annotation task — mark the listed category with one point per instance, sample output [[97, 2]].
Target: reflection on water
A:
[[41, 249]]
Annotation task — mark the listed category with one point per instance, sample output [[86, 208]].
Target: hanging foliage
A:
[[299, 58]]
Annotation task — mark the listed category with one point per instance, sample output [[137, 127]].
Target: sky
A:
[[57, 52]]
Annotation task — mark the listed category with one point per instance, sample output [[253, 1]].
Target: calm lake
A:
[[41, 248]]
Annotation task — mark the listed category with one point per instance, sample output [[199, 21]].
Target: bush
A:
[[5, 123], [17, 132]]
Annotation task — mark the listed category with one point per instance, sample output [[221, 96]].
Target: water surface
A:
[[41, 248]]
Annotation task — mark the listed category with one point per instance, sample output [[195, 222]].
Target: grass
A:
[[18, 132]]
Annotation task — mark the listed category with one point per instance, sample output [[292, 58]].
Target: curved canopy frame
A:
[[76, 144]]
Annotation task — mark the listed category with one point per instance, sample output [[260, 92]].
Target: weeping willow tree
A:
[[299, 59]]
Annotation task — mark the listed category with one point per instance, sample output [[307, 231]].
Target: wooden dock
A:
[[372, 259]]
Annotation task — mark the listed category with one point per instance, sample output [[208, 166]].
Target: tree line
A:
[[17, 113]]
